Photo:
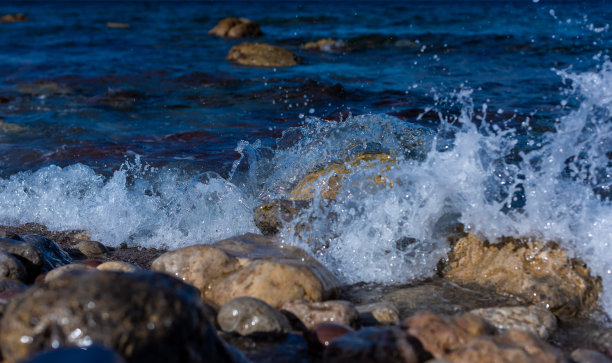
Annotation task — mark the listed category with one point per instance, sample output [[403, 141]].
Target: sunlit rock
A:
[[247, 315], [312, 314], [118, 266], [236, 28], [381, 313], [262, 55], [534, 319], [92, 249], [250, 265], [536, 272]]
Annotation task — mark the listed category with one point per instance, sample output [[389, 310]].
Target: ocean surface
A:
[[497, 117]]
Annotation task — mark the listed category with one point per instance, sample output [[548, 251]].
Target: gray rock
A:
[[534, 319], [11, 268], [589, 356], [312, 314], [144, 316], [247, 315], [92, 249], [53, 254], [31, 257]]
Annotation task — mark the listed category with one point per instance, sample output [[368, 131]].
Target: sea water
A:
[[497, 116]]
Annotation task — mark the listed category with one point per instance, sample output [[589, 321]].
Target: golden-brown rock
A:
[[11, 18], [236, 28], [118, 266], [536, 272], [250, 265], [312, 314], [326, 45], [262, 55]]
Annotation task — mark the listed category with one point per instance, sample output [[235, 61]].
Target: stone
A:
[[53, 255], [262, 55], [326, 45], [6, 285], [269, 217], [9, 127], [534, 319], [93, 354], [10, 235], [143, 316], [118, 266], [44, 88], [312, 314], [92, 249], [58, 272], [329, 179], [12, 18], [250, 265], [589, 356], [236, 28], [324, 333], [380, 313], [30, 256], [114, 25], [533, 271], [11, 268], [389, 344], [247, 316]]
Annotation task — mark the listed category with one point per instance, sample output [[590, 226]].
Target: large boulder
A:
[[262, 55], [538, 273], [145, 317], [250, 265], [236, 28]]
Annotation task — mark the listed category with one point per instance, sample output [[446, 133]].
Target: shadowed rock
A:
[[247, 316]]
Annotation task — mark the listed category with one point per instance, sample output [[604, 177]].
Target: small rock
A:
[[92, 353], [118, 266], [11, 268], [114, 25], [236, 28], [589, 356], [247, 315], [9, 127], [262, 55], [250, 265], [92, 249], [320, 337], [30, 256], [11, 18], [269, 217], [312, 314], [376, 345], [326, 45], [381, 313], [58, 272], [534, 319]]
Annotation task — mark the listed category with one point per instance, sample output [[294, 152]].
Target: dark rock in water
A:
[[53, 254], [262, 55], [91, 354], [12, 18], [236, 28], [321, 336], [11, 268], [114, 25], [376, 345], [312, 314], [145, 317], [326, 45], [269, 216], [247, 316]]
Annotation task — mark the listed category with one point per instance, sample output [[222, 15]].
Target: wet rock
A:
[[376, 345], [321, 336], [9, 127], [118, 266], [534, 319], [30, 256], [114, 25], [510, 346], [53, 254], [143, 316], [247, 316], [250, 265], [329, 179], [312, 314], [236, 28], [589, 356], [12, 18], [11, 268], [60, 271], [538, 273], [92, 249], [262, 55], [381, 313], [269, 217], [326, 45], [92, 354]]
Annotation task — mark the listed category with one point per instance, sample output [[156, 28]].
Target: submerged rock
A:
[[250, 265], [534, 319], [114, 25], [312, 314], [262, 55], [247, 316], [236, 28], [538, 273], [143, 316], [326, 45], [9, 127], [12, 18]]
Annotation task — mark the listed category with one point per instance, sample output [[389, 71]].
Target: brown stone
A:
[[327, 45], [312, 314], [11, 18], [118, 266], [534, 319], [261, 55], [247, 316], [9, 127], [92, 249], [250, 265], [236, 28], [536, 272], [382, 313]]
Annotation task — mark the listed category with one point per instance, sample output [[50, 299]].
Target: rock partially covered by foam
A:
[[144, 316], [262, 55], [236, 28], [538, 273], [250, 265]]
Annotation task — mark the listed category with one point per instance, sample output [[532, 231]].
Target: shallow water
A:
[[498, 116]]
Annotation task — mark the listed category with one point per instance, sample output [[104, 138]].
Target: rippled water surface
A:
[[497, 115]]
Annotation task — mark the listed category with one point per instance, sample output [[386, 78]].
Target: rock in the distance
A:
[[236, 28], [262, 55]]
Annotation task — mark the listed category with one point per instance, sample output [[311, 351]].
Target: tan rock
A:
[[92, 249], [589, 356], [11, 18], [261, 55], [60, 271], [312, 314], [247, 315], [538, 273], [236, 28], [118, 266], [326, 45], [381, 313], [250, 265], [329, 178], [9, 127], [534, 319], [114, 25]]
